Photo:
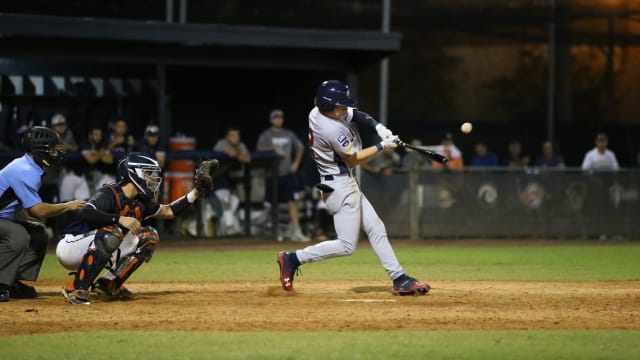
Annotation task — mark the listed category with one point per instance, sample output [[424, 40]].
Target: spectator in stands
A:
[[451, 151], [119, 141], [99, 157], [71, 180], [600, 158], [290, 149], [384, 163], [483, 157], [549, 158], [515, 158], [59, 125], [237, 154], [150, 145], [413, 160]]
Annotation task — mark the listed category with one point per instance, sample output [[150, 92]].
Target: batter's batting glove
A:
[[383, 132], [390, 142], [204, 176]]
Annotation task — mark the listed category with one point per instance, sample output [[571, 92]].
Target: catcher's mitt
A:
[[204, 176]]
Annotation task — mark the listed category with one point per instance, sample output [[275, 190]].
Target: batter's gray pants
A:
[[352, 211], [23, 246]]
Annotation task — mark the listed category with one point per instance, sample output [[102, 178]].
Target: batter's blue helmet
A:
[[331, 93]]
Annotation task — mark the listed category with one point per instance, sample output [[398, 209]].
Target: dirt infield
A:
[[334, 305]]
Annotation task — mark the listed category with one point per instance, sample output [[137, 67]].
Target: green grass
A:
[[544, 263], [326, 345]]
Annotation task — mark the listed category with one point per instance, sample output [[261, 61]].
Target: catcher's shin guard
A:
[[146, 246], [105, 242]]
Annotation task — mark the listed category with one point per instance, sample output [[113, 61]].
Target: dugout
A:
[[177, 75]]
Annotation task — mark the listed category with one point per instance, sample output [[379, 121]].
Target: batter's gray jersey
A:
[[330, 139], [283, 139]]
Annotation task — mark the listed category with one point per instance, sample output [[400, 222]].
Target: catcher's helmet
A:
[[143, 172], [331, 93], [44, 145]]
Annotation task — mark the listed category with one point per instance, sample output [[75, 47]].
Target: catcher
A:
[[108, 234]]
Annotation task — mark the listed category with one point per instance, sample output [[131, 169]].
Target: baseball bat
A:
[[431, 155]]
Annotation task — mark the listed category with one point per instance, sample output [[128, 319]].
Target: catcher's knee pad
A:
[[147, 242], [108, 238], [105, 242]]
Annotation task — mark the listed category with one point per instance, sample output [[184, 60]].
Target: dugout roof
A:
[[129, 41]]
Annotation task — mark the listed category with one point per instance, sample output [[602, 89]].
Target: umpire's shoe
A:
[[288, 265], [20, 290], [4, 293], [406, 285]]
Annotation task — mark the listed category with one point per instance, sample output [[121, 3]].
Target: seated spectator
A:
[[224, 185], [385, 162], [600, 158], [514, 158], [549, 158], [101, 163], [119, 141], [483, 156], [59, 125], [413, 160], [150, 145], [73, 183], [451, 151]]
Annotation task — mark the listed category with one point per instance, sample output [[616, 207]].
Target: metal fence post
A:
[[414, 216]]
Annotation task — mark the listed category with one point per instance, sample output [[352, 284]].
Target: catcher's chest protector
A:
[[126, 206]]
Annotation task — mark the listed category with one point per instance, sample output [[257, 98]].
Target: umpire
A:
[[23, 241]]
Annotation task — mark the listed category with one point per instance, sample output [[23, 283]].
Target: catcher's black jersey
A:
[[110, 199]]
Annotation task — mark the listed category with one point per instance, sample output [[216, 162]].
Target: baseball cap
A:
[[151, 130], [58, 119], [276, 113], [601, 137]]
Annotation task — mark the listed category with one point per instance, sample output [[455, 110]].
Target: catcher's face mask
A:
[[152, 177]]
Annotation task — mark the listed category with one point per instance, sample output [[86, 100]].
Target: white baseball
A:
[[466, 127]]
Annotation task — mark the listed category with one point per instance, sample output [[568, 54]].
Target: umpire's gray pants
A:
[[22, 248]]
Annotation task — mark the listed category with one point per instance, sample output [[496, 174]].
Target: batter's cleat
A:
[[406, 285], [20, 290], [287, 269], [77, 297], [106, 287]]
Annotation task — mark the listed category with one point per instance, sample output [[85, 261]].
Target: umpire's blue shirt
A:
[[20, 181]]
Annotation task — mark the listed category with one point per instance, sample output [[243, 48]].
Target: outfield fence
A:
[[496, 202]]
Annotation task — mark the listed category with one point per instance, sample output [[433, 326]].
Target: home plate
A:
[[368, 300]]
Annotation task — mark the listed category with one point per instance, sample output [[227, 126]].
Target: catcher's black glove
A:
[[204, 176]]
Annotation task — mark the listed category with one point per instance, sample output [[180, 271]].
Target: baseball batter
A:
[[336, 146]]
